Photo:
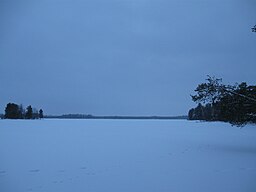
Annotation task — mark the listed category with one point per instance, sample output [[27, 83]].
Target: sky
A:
[[121, 57]]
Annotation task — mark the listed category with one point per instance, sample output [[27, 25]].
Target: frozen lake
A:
[[126, 156]]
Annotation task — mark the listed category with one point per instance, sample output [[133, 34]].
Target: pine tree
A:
[[41, 114], [12, 111], [235, 104], [29, 112]]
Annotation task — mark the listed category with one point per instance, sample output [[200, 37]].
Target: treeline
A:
[[230, 103], [69, 116], [85, 116], [14, 111]]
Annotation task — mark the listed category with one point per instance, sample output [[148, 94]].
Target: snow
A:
[[126, 156]]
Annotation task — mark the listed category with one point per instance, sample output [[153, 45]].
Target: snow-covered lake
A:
[[126, 156]]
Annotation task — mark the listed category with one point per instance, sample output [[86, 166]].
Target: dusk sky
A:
[[121, 57]]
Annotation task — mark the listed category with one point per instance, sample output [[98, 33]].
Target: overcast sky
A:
[[121, 57]]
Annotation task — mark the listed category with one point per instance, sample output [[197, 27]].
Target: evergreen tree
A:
[[191, 114], [198, 112], [29, 112], [41, 114], [235, 104], [208, 115], [12, 111], [254, 28], [209, 92]]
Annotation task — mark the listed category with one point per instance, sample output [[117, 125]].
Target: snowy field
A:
[[126, 156]]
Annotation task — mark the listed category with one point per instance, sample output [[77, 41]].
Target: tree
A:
[[240, 106], [41, 114], [254, 28], [201, 113], [29, 112], [12, 111], [191, 113], [209, 92], [198, 113], [208, 112], [232, 103]]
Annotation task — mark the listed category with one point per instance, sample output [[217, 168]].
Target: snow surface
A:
[[126, 156]]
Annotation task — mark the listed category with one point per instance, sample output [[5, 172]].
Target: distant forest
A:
[[235, 104], [82, 116]]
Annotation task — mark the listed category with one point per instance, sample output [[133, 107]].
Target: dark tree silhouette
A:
[[12, 111], [29, 112], [209, 92], [254, 28], [41, 114], [232, 103]]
